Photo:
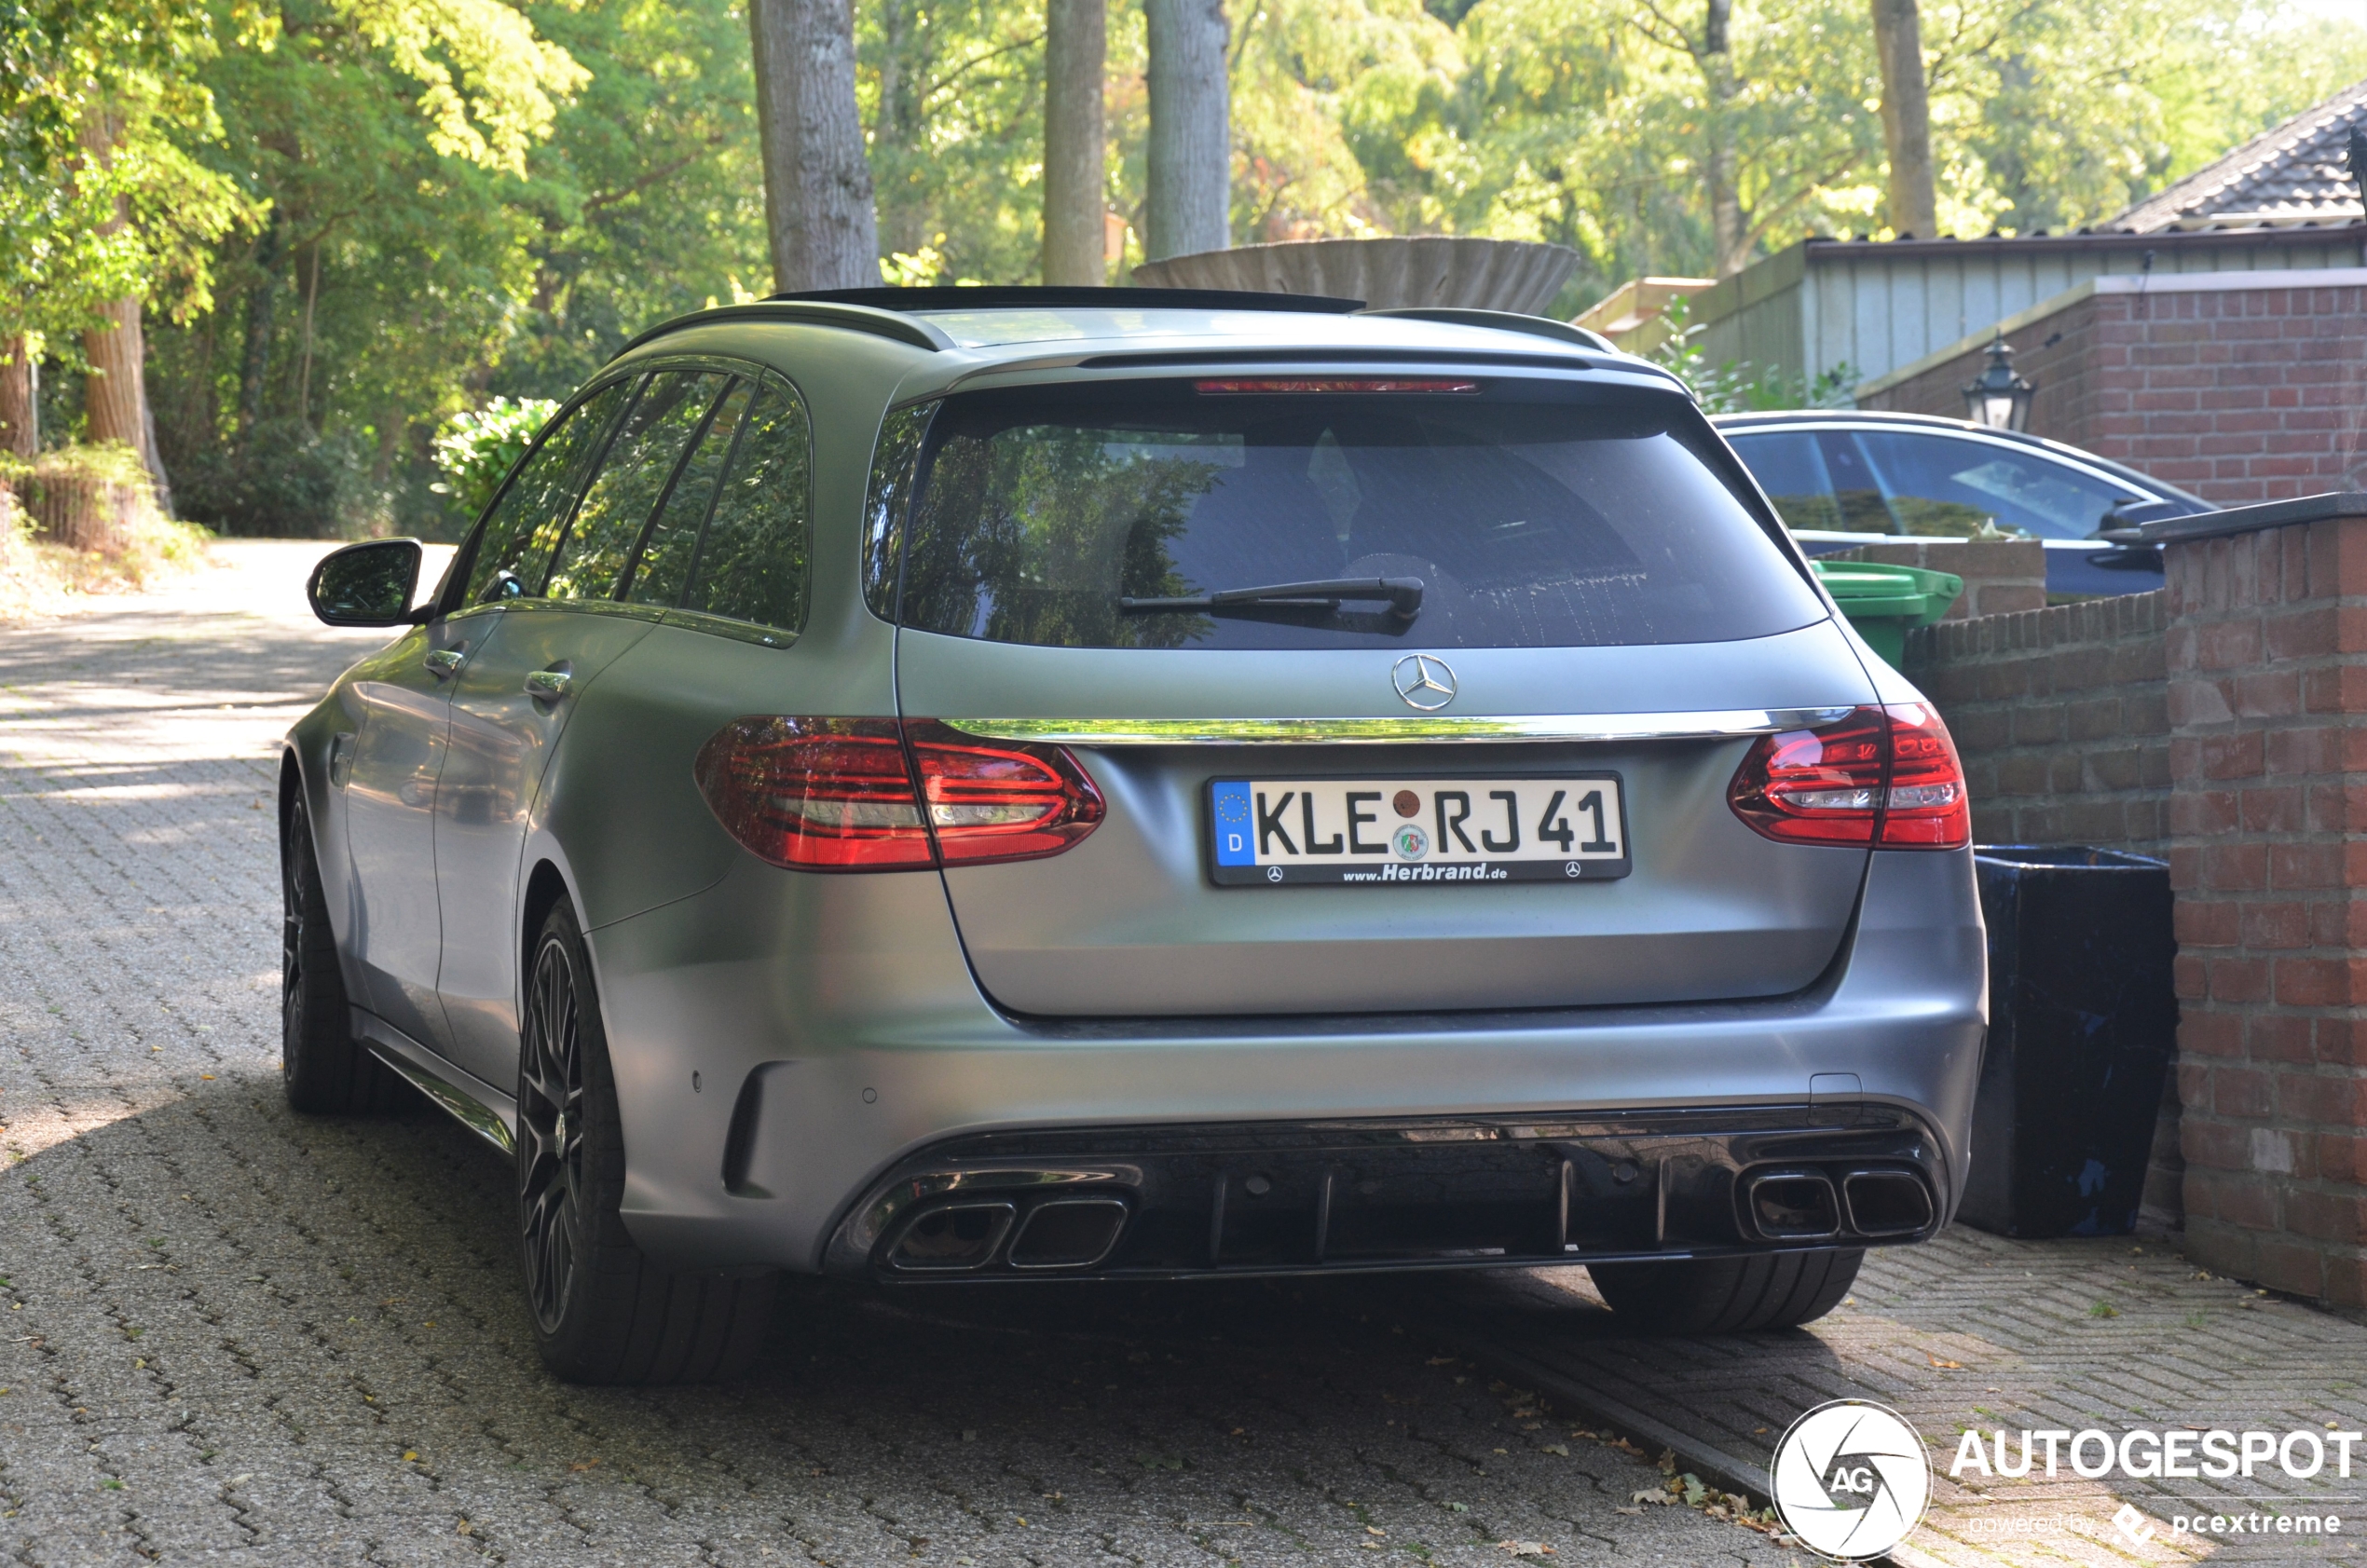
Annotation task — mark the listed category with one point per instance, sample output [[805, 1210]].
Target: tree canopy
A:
[[352, 220]]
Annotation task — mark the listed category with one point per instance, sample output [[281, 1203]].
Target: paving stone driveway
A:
[[230, 1334]]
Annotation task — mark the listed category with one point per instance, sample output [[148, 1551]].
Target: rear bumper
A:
[[789, 1049], [1268, 1197]]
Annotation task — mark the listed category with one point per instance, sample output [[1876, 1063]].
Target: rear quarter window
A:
[[1538, 515]]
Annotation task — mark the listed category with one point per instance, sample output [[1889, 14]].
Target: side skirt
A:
[[473, 1103]]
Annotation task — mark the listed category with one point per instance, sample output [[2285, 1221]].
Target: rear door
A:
[[550, 549], [657, 532], [1578, 557]]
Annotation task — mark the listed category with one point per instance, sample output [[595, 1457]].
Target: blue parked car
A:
[[1841, 479]]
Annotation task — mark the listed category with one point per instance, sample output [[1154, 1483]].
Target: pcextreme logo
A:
[[1850, 1479]]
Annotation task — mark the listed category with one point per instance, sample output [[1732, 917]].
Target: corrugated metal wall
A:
[[1878, 306]]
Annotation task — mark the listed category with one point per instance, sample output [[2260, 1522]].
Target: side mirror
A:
[[367, 584]]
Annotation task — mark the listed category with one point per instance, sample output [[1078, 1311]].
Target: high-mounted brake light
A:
[[1883, 777], [848, 794], [1270, 384]]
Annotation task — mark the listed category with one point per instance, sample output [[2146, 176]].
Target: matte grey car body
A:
[[1241, 1078]]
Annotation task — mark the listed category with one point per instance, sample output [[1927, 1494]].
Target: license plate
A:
[[1568, 828]]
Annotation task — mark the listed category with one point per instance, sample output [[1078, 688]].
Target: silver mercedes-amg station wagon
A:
[[981, 784]]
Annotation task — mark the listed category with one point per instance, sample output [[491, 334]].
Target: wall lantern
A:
[[1997, 397]]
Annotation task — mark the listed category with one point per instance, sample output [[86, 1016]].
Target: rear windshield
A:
[[1530, 515]]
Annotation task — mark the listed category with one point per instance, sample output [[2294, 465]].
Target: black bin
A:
[[2081, 1024]]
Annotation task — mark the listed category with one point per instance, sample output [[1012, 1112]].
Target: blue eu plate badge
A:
[[1231, 802]]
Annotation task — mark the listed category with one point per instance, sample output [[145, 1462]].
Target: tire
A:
[[322, 1067], [602, 1312], [1727, 1295]]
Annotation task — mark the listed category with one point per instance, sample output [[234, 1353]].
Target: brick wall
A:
[[2268, 757], [2061, 717], [2228, 384], [2001, 576]]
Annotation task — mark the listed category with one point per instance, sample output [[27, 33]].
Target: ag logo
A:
[[1851, 1479]]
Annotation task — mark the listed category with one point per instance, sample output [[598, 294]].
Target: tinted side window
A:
[[648, 448], [674, 533], [751, 562], [888, 502], [1948, 487], [507, 562], [1856, 492], [1791, 470]]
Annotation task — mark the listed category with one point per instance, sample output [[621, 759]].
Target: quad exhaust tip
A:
[[1886, 1203], [1068, 1234], [952, 1237], [1794, 1205], [1056, 1233], [1877, 1204]]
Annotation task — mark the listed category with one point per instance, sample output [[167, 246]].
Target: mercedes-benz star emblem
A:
[[1423, 680]]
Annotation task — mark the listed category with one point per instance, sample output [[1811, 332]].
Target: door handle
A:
[[548, 685], [443, 661]]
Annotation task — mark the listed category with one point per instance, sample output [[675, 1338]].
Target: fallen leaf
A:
[[1525, 1549], [1627, 1510], [1562, 1448], [1375, 1530], [581, 1465], [1944, 1365]]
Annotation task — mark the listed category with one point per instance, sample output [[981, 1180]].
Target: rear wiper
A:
[[1404, 593]]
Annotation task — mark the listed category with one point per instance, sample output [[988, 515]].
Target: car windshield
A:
[[1532, 514]]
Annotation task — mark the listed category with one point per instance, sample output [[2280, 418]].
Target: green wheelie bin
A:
[[1885, 602]]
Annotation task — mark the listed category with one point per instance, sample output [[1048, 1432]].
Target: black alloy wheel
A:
[[322, 1067], [603, 1312], [551, 1132]]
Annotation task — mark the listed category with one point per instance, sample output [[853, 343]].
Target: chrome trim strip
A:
[[482, 1108], [463, 1107], [1720, 725]]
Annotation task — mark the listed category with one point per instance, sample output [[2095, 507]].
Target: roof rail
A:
[[999, 296], [1502, 320], [818, 312]]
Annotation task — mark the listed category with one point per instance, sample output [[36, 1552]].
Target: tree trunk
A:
[[817, 185], [19, 399], [1075, 51], [111, 396], [1730, 231], [254, 358], [116, 396], [1191, 150], [1907, 119]]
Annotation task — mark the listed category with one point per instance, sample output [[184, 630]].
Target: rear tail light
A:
[[1884, 777], [880, 795], [991, 800]]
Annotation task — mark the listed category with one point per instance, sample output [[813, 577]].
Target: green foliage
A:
[[1738, 385], [355, 220], [478, 446]]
